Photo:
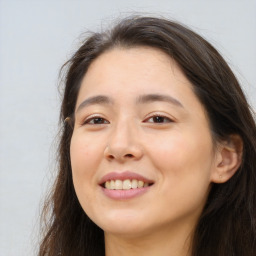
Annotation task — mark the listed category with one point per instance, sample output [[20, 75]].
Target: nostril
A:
[[129, 155]]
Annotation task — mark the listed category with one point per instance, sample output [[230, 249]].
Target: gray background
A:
[[36, 38]]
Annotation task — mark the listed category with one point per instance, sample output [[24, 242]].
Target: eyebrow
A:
[[142, 99], [99, 99], [147, 98]]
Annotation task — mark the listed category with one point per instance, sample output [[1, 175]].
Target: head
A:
[[202, 83]]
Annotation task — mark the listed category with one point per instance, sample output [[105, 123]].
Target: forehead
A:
[[132, 70], [142, 59]]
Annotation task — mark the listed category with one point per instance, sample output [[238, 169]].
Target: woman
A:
[[158, 149]]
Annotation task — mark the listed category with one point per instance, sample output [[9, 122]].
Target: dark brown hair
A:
[[227, 225]]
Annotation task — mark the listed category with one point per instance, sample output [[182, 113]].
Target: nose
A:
[[123, 144]]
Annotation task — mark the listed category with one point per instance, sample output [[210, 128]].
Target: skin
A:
[[177, 153]]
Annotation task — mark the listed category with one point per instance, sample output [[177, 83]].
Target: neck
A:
[[165, 242]]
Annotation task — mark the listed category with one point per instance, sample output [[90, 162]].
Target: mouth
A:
[[126, 184]]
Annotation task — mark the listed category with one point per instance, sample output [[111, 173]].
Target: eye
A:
[[95, 120], [158, 119]]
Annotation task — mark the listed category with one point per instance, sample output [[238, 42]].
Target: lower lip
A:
[[124, 194]]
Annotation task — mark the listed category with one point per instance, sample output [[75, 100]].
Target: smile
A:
[[125, 184]]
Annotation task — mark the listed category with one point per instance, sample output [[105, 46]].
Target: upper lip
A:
[[124, 176]]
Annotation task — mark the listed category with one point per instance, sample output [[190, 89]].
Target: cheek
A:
[[184, 151], [85, 158], [84, 154], [184, 168], [184, 163]]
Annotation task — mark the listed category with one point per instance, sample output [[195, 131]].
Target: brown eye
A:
[[96, 120], [159, 119]]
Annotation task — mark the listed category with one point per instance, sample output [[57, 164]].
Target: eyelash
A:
[[93, 118], [167, 119], [163, 119]]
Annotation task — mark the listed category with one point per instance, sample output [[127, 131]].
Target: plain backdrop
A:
[[36, 38]]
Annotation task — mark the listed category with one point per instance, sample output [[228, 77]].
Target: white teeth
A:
[[140, 184], [134, 183], [112, 184], [107, 185], [125, 184], [118, 184]]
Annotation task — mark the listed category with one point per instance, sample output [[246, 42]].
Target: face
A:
[[141, 152]]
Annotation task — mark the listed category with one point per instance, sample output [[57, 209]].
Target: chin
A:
[[122, 223]]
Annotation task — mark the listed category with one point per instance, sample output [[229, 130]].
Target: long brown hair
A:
[[227, 225]]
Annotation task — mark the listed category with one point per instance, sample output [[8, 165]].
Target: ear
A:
[[228, 159]]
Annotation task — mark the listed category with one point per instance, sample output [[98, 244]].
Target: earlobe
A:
[[228, 159]]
